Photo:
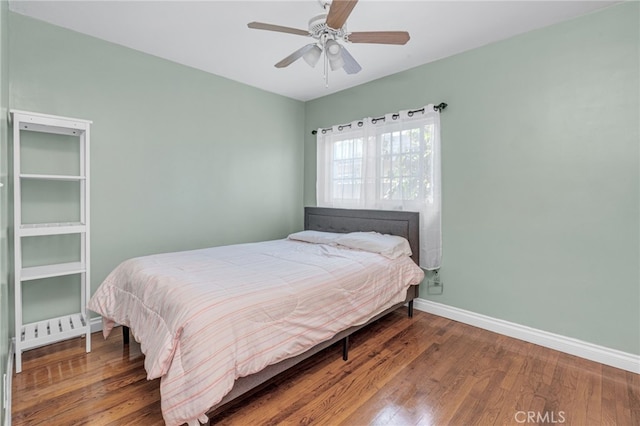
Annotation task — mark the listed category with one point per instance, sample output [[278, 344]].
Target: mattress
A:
[[207, 317]]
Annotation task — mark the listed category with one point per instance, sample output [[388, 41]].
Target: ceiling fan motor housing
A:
[[318, 27], [318, 24]]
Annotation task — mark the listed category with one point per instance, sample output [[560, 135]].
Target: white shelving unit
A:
[[76, 324]]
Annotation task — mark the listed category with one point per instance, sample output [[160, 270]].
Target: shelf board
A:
[[47, 123], [53, 330], [52, 177], [39, 229], [48, 271]]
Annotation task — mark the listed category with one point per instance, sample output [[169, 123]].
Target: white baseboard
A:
[[7, 396], [601, 354], [95, 324]]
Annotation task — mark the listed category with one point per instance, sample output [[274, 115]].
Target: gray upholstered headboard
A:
[[402, 223]]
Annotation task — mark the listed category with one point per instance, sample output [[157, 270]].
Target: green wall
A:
[[540, 163], [180, 158], [4, 136]]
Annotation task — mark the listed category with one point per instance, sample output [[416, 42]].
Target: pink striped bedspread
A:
[[206, 317]]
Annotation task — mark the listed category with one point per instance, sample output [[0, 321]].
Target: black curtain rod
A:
[[438, 108]]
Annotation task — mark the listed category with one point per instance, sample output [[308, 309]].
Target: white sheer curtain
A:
[[390, 163]]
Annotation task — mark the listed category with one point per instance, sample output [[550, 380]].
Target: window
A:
[[405, 171], [389, 163], [347, 168]]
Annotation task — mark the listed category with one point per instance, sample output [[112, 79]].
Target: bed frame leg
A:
[[345, 348], [125, 335], [410, 309]]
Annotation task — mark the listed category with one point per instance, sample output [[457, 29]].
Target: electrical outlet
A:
[[435, 286]]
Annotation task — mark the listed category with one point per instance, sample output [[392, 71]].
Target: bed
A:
[[216, 323]]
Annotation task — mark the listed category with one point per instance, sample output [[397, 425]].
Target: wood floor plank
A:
[[420, 371], [400, 350], [401, 396]]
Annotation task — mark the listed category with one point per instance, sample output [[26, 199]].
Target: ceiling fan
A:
[[329, 29]]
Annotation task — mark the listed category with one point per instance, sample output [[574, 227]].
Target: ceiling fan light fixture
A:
[[336, 63], [333, 50], [313, 56]]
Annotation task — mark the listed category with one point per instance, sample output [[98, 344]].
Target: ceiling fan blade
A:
[[278, 28], [339, 11], [294, 56], [351, 66], [379, 37]]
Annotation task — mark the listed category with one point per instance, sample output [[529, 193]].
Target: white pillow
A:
[[315, 237], [390, 246]]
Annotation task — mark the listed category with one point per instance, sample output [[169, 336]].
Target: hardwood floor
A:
[[422, 371]]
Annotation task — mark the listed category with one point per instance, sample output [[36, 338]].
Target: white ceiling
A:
[[213, 36]]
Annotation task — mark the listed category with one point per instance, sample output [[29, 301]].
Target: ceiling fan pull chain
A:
[[326, 66]]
